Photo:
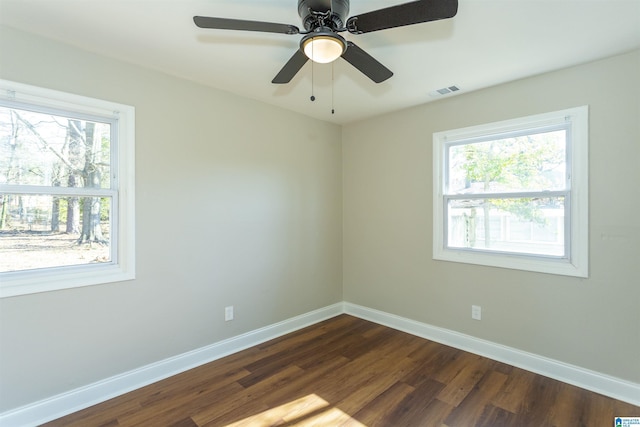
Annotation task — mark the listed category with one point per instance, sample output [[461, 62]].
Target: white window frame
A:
[[122, 264], [576, 262]]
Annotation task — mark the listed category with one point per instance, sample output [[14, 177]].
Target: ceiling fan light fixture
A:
[[323, 46]]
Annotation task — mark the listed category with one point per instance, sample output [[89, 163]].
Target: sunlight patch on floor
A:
[[329, 417], [310, 410]]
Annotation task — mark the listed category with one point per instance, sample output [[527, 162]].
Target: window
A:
[[514, 194], [66, 190]]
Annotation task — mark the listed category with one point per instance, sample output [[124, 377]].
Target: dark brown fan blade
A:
[[414, 12], [291, 68], [366, 63], [239, 24]]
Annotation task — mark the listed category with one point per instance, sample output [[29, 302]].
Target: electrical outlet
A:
[[228, 313], [476, 312]]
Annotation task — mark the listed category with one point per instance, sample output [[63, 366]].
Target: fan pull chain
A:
[[333, 111], [313, 98]]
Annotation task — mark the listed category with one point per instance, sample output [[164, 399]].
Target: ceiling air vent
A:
[[444, 91]]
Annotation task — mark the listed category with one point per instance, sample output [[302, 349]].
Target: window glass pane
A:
[[49, 231], [519, 225], [50, 150], [533, 162]]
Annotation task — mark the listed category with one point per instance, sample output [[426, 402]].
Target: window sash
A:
[[566, 195], [70, 111], [47, 265], [565, 125]]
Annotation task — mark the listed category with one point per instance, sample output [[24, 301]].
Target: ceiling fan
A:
[[324, 19]]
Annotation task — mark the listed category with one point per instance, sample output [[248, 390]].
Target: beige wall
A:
[[238, 203], [387, 172]]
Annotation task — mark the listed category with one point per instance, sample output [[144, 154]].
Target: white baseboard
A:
[[80, 398], [580, 377], [92, 394]]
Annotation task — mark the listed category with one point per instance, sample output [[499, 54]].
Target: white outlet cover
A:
[[476, 312]]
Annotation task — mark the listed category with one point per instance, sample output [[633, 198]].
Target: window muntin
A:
[[66, 190], [514, 194]]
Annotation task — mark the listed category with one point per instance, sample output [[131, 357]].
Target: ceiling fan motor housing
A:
[[339, 11]]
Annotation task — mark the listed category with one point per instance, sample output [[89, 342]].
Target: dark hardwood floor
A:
[[350, 372]]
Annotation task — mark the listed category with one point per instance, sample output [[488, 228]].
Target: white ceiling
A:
[[487, 43]]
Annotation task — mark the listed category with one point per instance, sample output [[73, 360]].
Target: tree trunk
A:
[[91, 230], [55, 203], [3, 210], [55, 215], [73, 210], [76, 159], [13, 142]]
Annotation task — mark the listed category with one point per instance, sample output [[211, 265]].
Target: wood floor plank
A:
[[472, 408], [304, 387], [433, 415], [190, 385], [464, 381], [379, 411], [350, 372], [569, 407], [417, 405], [448, 365], [494, 416], [517, 387], [179, 408], [186, 422], [377, 383], [538, 403], [235, 405]]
